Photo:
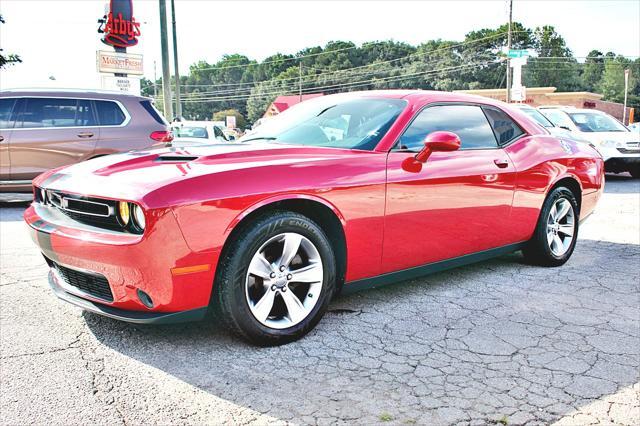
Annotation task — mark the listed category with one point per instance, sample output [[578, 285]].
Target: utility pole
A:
[[175, 59], [300, 81], [166, 77], [155, 82], [626, 89], [509, 48]]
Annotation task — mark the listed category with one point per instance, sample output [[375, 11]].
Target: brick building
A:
[[537, 96]]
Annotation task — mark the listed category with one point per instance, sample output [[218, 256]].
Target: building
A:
[[282, 103], [537, 96]]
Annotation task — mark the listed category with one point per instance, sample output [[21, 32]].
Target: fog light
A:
[[123, 211]]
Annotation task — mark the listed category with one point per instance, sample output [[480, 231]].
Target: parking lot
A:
[[499, 341]]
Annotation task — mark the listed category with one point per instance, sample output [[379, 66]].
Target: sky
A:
[[58, 39]]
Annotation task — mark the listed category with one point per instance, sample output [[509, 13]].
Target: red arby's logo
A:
[[120, 28]]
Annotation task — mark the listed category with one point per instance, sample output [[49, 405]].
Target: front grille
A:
[[629, 151], [91, 211], [93, 284]]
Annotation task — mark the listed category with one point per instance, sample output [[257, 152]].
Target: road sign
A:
[[122, 84], [517, 53], [519, 93], [124, 63]]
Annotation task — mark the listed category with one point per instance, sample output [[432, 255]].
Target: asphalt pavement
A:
[[499, 342]]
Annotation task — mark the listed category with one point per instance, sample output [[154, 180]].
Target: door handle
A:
[[85, 135], [503, 164]]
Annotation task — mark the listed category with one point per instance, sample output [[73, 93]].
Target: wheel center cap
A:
[[281, 280]]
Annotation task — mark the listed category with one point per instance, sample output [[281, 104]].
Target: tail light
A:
[[162, 136]]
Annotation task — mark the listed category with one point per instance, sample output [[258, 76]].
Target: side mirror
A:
[[438, 141]]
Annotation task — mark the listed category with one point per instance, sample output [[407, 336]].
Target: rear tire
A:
[[556, 233], [262, 301]]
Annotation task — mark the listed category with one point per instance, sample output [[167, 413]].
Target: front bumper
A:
[[137, 317], [158, 263]]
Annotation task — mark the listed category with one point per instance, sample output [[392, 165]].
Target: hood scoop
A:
[[172, 158]]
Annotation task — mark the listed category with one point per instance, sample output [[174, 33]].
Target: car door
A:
[[51, 132], [7, 105], [454, 204]]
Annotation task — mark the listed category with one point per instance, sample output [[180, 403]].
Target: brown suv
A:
[[45, 129]]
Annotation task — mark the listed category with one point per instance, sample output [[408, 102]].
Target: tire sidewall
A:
[[554, 196], [247, 245]]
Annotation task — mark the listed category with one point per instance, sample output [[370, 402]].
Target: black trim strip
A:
[[430, 268]]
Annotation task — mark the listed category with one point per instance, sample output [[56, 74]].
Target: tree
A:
[[555, 65], [592, 71], [9, 59], [612, 83], [241, 123]]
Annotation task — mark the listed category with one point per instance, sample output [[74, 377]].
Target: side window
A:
[[503, 126], [6, 106], [467, 121], [49, 112], [109, 113], [84, 116], [558, 118]]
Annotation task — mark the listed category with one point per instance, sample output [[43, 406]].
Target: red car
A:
[[338, 193]]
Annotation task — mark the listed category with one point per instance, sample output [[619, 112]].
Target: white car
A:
[[197, 132], [619, 147], [542, 120]]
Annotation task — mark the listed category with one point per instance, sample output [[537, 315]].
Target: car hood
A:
[[597, 137], [132, 175]]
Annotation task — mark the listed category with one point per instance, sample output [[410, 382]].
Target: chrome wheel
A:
[[560, 227], [284, 280]]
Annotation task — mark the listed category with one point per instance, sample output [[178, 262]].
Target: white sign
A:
[[121, 63], [519, 93], [121, 84], [231, 121]]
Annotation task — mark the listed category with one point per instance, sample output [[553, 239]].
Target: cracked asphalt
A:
[[498, 342]]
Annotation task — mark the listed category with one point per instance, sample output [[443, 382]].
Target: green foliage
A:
[[9, 59], [477, 62], [222, 116]]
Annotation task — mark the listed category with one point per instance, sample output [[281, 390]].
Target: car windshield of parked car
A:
[[595, 122], [190, 132], [336, 121], [538, 117]]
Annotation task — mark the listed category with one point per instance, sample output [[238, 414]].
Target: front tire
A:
[[275, 279], [556, 233]]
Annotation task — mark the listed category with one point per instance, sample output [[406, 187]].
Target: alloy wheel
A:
[[284, 280], [560, 227]]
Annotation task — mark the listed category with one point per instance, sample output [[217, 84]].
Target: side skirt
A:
[[430, 268]]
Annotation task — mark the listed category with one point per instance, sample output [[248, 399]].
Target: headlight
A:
[[138, 216], [123, 212]]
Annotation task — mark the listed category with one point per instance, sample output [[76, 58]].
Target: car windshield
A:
[[537, 116], [595, 122], [190, 132], [333, 121]]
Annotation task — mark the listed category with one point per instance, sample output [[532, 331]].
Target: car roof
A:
[[70, 93]]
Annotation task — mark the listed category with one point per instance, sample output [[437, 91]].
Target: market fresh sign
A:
[[122, 63], [119, 27]]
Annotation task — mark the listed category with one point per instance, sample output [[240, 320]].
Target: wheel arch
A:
[[572, 183], [325, 214]]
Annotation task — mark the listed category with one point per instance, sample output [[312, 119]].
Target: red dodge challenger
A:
[[340, 192]]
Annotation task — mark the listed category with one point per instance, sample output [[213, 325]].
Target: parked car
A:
[[619, 147], [541, 119], [197, 132], [634, 127], [269, 230], [45, 129]]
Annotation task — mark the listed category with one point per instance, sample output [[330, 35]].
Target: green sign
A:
[[518, 53]]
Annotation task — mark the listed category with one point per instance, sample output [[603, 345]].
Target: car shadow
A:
[[460, 345], [621, 184]]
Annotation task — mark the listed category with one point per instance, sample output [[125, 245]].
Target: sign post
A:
[[518, 59], [121, 30], [627, 72]]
